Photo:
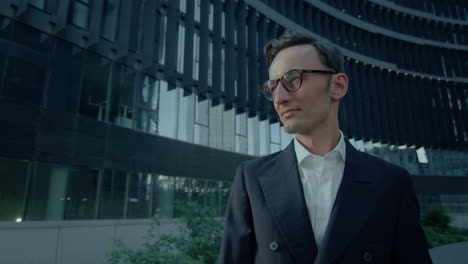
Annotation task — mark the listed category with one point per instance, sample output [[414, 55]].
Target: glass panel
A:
[[112, 195], [109, 19], [180, 49], [216, 126], [80, 14], [196, 56], [23, 81], [275, 132], [168, 111], [264, 137], [162, 39], [166, 196], [212, 195], [197, 192], [122, 110], [147, 98], [47, 192], [13, 174], [241, 144], [65, 72], [241, 124], [38, 3], [182, 193], [228, 130], [225, 189], [93, 99], [81, 195], [26, 63], [274, 147], [139, 195], [201, 111], [186, 116], [252, 136], [200, 135]]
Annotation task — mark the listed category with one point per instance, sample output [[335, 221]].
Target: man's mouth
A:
[[288, 112]]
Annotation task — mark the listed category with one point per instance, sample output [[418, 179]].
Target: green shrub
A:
[[197, 242], [438, 231], [436, 217]]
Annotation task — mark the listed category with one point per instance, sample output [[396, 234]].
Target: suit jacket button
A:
[[274, 246], [368, 257]]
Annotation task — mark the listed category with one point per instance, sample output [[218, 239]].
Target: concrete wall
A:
[[70, 242]]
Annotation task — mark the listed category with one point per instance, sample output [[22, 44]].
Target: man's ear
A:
[[339, 86]]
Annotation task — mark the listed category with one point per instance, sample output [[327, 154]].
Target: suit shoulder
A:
[[379, 167], [379, 162], [260, 163]]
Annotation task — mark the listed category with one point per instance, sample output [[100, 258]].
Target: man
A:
[[319, 200]]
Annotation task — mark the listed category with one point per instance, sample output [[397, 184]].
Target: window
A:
[[241, 133], [109, 19], [24, 63], [196, 56], [162, 40], [225, 189], [139, 195], [180, 49], [13, 174], [112, 195], [80, 13], [216, 126], [200, 134], [147, 98], [166, 196], [168, 111], [81, 194], [47, 193], [264, 130], [121, 109], [274, 137], [252, 135], [186, 116], [37, 3], [93, 99], [229, 130]]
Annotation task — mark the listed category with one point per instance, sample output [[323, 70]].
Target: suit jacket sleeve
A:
[[238, 242], [410, 245]]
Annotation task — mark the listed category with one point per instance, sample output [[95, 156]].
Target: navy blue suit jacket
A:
[[375, 218]]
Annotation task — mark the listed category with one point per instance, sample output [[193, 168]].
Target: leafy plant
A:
[[436, 217], [197, 242], [438, 231]]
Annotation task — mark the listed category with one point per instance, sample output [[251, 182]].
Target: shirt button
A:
[[274, 246], [368, 257]]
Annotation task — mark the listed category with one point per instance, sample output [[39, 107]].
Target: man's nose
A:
[[281, 94]]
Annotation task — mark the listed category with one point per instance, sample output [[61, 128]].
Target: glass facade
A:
[[191, 73], [69, 193]]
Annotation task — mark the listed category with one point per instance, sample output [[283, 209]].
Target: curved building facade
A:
[[112, 110]]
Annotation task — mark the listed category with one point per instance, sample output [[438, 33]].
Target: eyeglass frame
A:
[[264, 87]]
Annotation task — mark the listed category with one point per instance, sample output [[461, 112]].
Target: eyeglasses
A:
[[291, 81]]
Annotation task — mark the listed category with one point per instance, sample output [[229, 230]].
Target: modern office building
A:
[[112, 110]]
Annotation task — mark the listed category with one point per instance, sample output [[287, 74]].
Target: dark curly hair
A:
[[329, 54]]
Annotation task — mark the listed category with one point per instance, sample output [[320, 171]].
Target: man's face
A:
[[307, 109]]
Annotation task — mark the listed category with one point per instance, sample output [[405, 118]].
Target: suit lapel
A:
[[351, 207], [284, 196]]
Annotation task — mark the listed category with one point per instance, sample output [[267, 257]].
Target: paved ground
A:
[[456, 253]]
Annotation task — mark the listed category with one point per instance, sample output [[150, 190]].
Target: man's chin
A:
[[289, 128]]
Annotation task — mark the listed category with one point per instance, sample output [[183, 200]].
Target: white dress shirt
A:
[[321, 177]]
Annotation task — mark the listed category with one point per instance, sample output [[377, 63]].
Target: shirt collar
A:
[[302, 152]]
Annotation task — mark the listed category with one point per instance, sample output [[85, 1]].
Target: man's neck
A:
[[320, 142]]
